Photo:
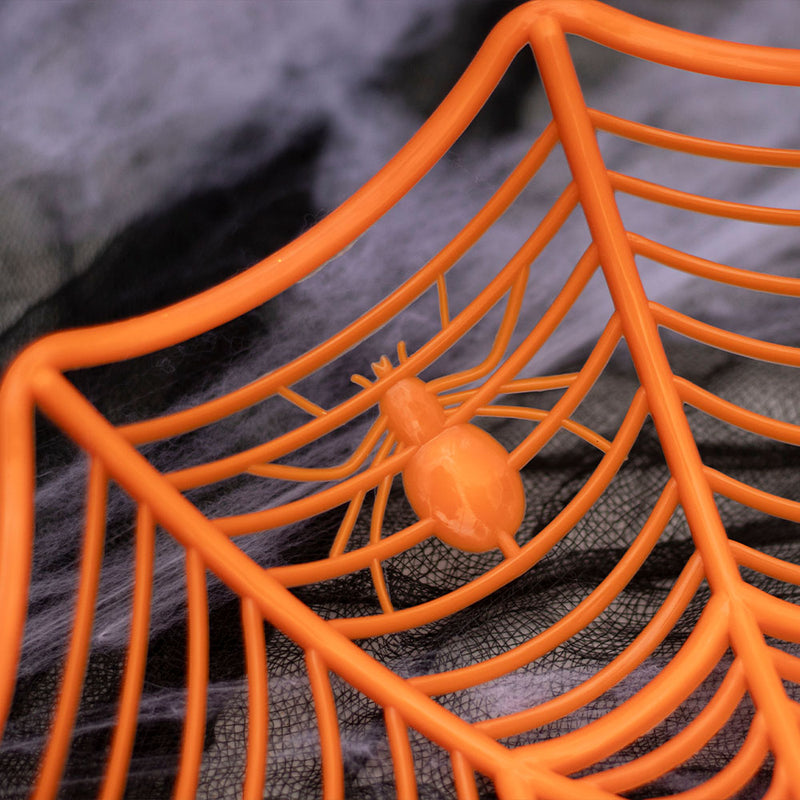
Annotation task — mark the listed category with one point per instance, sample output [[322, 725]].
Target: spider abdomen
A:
[[461, 478]]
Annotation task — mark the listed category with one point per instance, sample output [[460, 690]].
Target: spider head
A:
[[412, 411]]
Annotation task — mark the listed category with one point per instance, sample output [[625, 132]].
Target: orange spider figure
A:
[[459, 476]]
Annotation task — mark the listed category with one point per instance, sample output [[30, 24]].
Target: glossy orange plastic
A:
[[748, 622], [459, 476]]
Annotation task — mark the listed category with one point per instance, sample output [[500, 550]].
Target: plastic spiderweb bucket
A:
[[616, 632]]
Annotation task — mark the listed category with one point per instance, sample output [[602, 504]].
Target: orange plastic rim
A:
[[737, 617]]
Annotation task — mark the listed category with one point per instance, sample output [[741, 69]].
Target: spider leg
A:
[[526, 412], [363, 382], [354, 507], [301, 402], [347, 524], [402, 352], [346, 468], [540, 383], [376, 527], [507, 544], [501, 339], [444, 305], [343, 470]]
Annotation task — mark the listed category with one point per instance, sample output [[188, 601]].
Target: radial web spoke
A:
[[402, 757], [135, 662], [327, 725], [197, 678], [257, 700], [69, 697], [463, 777]]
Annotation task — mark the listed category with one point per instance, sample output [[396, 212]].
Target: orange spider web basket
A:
[[737, 618]]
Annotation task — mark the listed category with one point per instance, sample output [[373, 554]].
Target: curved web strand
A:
[[741, 626], [683, 745], [622, 665]]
